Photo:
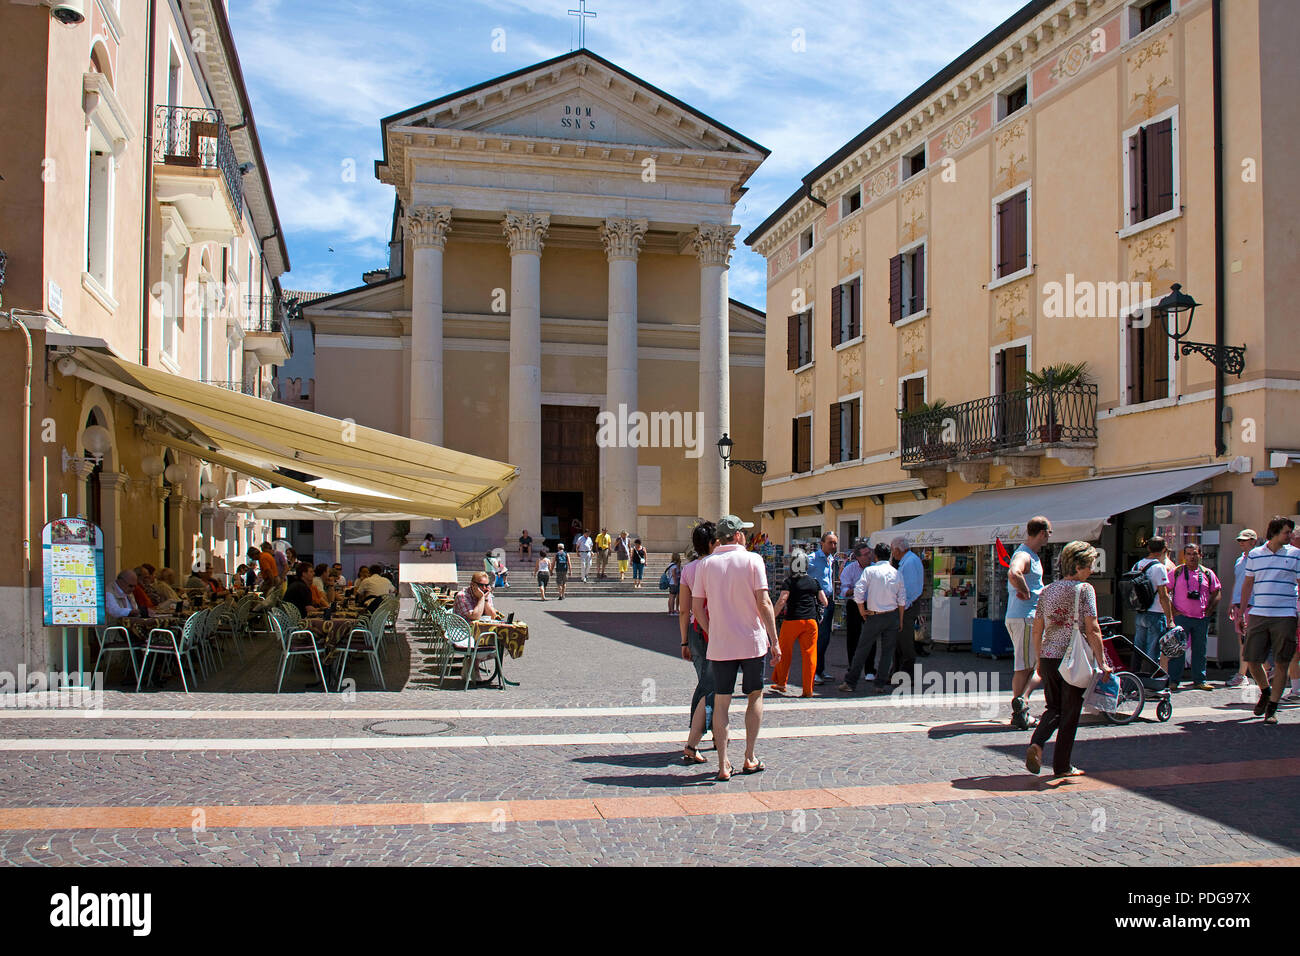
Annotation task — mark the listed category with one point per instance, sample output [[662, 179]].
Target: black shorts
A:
[[724, 676]]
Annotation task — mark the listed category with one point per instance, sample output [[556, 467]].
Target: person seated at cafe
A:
[[119, 597], [475, 601], [148, 576], [194, 581], [339, 579], [165, 582], [238, 582], [142, 599], [322, 595], [298, 591], [215, 587], [373, 585], [363, 572]]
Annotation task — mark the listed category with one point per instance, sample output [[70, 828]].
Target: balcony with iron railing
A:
[[197, 169], [1013, 428], [267, 329]]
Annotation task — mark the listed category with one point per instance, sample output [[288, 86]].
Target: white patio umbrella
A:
[[284, 504]]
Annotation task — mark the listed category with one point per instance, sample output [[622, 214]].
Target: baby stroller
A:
[[1134, 689]]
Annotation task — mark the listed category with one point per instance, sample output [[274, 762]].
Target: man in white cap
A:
[[1246, 540], [741, 629]]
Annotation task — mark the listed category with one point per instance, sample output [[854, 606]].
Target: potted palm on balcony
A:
[[1051, 378], [927, 416]]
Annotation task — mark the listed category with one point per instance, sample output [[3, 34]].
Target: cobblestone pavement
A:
[[580, 764]]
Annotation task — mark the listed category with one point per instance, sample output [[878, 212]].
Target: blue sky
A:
[[321, 74]]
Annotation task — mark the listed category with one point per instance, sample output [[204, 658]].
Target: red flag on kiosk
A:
[[1004, 559]]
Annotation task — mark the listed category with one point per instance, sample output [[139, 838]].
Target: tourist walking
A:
[[1246, 540], [1159, 617], [882, 601], [1195, 592], [695, 642], [1062, 606], [732, 603], [623, 552], [584, 545], [543, 571], [859, 558], [821, 566], [802, 600], [638, 564], [603, 543], [674, 573], [1024, 585], [561, 561], [1269, 595]]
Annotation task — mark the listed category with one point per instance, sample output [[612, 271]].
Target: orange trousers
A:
[[805, 633]]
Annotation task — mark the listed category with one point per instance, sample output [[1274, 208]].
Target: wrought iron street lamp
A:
[[1171, 309], [724, 449]]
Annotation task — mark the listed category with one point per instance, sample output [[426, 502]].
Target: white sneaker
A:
[[1235, 681]]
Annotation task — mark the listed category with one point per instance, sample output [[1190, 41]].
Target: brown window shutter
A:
[[1019, 231], [1157, 359], [1004, 249], [792, 342], [855, 309], [837, 301], [855, 438], [804, 452], [1133, 389], [1160, 161], [1135, 184], [837, 411], [895, 289], [918, 280], [794, 444]]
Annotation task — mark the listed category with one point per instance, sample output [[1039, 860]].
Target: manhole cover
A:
[[408, 728]]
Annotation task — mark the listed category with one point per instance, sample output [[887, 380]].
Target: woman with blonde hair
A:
[[1062, 606]]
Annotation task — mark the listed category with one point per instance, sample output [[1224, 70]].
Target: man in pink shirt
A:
[[1195, 591], [741, 629]]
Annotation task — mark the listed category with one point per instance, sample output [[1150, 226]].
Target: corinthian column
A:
[[427, 226], [526, 233], [713, 245], [622, 238]]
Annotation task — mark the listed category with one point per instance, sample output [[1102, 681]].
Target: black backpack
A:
[[1136, 587]]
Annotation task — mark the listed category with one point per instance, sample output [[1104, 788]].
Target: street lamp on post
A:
[[724, 449], [1171, 309]]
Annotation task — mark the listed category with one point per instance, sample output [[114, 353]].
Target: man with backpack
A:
[[1148, 595], [561, 568]]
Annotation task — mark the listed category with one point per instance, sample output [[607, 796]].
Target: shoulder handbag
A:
[[1077, 666]]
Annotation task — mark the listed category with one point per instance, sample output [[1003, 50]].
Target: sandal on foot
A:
[[692, 755], [759, 767], [724, 774], [1072, 772], [1034, 759]]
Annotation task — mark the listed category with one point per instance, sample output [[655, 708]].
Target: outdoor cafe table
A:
[[510, 640]]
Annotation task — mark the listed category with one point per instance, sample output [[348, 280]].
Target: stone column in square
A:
[[526, 233], [713, 245], [622, 239], [427, 227]]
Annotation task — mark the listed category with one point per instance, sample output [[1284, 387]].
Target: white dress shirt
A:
[[118, 603], [880, 588], [849, 578]]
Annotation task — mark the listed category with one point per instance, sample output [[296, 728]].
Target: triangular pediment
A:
[[579, 97]]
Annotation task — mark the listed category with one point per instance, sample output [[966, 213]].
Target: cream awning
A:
[[382, 473]]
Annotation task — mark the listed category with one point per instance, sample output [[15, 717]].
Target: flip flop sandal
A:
[[724, 775], [691, 755], [757, 768], [1072, 772]]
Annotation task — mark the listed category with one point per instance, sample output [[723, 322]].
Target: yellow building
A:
[[561, 237], [137, 222], [1025, 208]]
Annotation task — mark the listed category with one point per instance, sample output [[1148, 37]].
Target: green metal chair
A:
[[294, 643], [364, 641], [165, 641], [459, 646], [111, 645]]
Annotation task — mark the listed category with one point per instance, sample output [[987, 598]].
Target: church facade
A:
[[556, 298]]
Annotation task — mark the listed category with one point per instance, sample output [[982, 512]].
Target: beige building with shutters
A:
[[1025, 208]]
